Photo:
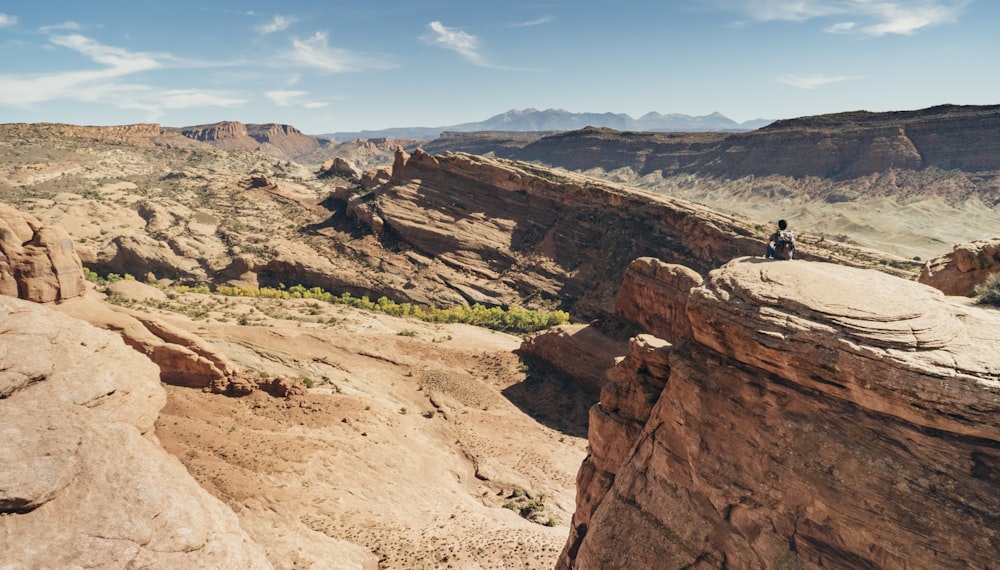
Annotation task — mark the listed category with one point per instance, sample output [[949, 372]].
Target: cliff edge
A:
[[818, 416]]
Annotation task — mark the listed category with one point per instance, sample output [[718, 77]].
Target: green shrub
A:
[[988, 292]]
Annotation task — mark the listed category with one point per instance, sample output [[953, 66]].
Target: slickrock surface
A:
[[967, 265], [821, 417], [83, 482], [37, 261]]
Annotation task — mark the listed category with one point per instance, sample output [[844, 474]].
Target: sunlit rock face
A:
[[819, 417], [37, 261], [84, 484], [965, 267]]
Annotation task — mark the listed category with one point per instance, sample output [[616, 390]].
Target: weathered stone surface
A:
[[581, 351], [968, 265], [819, 417], [37, 262], [81, 486], [654, 295], [340, 167]]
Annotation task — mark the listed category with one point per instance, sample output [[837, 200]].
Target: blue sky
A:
[[340, 65]]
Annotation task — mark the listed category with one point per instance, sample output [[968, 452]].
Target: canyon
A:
[[705, 408]]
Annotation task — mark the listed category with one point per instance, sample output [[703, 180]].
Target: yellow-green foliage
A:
[[989, 291], [513, 320]]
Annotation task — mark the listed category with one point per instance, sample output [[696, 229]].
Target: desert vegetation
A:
[[988, 292], [513, 319]]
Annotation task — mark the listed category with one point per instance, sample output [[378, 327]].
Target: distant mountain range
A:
[[531, 120]]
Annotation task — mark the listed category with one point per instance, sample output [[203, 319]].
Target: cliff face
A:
[[511, 228], [839, 146], [281, 141], [818, 417]]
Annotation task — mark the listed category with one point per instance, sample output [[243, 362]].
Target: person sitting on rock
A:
[[782, 243]]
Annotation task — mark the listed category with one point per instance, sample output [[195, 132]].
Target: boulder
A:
[[340, 167]]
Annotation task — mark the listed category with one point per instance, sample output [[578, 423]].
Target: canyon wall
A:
[[819, 416], [506, 229]]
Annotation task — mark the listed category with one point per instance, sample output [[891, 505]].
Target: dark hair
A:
[[782, 224]]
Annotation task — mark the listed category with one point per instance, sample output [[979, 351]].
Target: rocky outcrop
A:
[[83, 482], [281, 141], [968, 265], [339, 167], [37, 262], [654, 295], [580, 351], [509, 229], [819, 416]]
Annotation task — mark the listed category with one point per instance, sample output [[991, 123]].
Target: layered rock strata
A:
[[819, 417], [509, 229], [83, 482], [968, 265]]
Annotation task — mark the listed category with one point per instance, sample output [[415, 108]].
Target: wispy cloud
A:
[[107, 82], [456, 40], [535, 22], [284, 98], [811, 81], [7, 20], [866, 17], [118, 61], [188, 98], [316, 53], [278, 24], [57, 27]]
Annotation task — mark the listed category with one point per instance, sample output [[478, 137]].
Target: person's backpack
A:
[[784, 244]]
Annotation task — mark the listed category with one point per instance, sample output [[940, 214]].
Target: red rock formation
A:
[[968, 265], [654, 296], [819, 417], [340, 167], [510, 229], [580, 351], [281, 141], [37, 262]]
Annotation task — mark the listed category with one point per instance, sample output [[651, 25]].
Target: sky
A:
[[347, 65]]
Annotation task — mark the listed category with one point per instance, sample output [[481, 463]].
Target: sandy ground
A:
[[420, 445]]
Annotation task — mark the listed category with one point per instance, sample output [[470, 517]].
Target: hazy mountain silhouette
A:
[[531, 120]]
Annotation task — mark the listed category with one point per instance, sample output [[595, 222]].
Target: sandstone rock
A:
[[968, 265], [183, 359], [654, 295], [281, 141], [37, 262], [513, 228], [340, 167], [616, 422], [81, 486], [580, 351], [819, 417]]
